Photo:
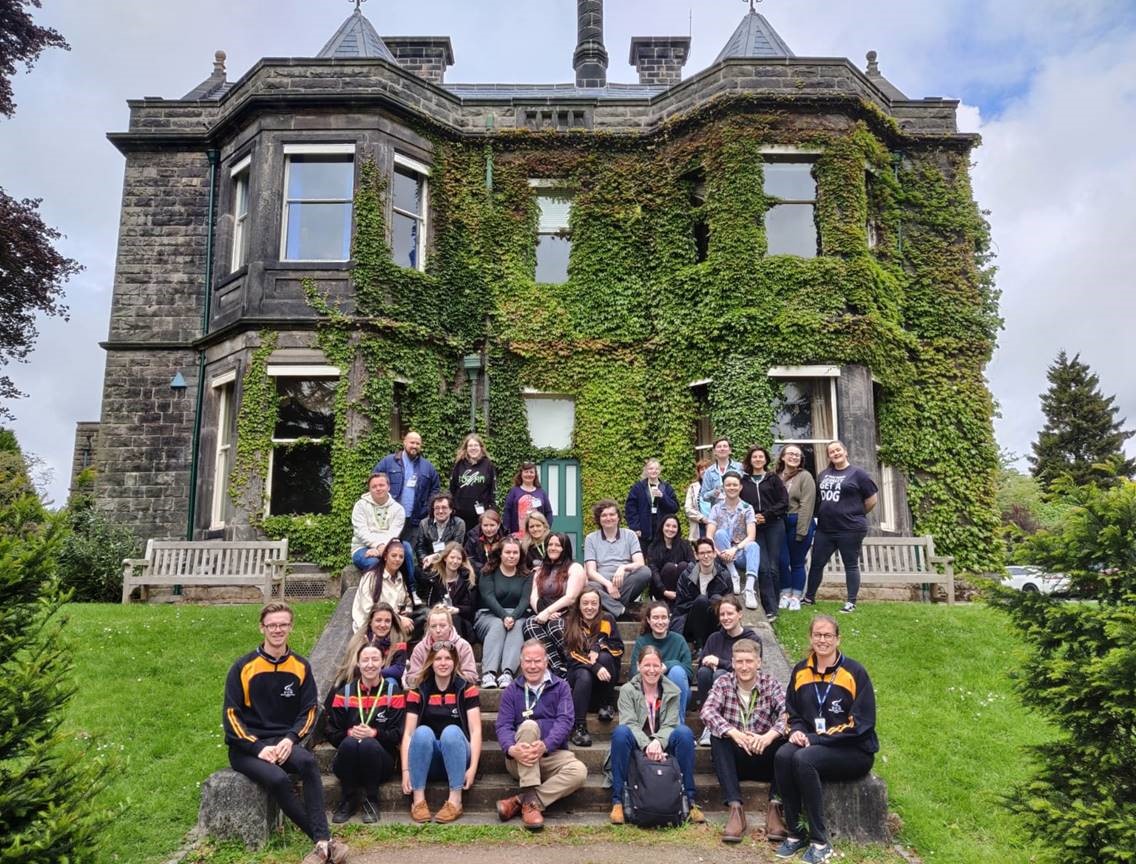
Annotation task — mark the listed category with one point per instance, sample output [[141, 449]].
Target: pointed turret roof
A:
[[354, 39], [755, 37]]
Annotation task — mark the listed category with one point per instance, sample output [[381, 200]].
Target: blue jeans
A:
[[433, 758], [680, 747], [681, 677], [359, 559], [751, 553], [793, 554]]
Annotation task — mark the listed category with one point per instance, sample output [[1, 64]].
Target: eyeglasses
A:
[[277, 626], [823, 637]]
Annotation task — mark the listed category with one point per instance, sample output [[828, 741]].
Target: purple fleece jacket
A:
[[553, 713]]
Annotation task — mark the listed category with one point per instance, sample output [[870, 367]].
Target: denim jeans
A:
[[680, 747], [770, 537], [432, 758], [751, 554], [793, 554], [681, 677]]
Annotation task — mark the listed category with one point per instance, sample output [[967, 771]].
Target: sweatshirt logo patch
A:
[[836, 707], [288, 691]]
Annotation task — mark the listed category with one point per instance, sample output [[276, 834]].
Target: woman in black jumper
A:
[[763, 490], [594, 648], [668, 556]]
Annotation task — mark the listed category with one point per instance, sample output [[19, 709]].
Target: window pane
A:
[[404, 240], [301, 479], [406, 190], [551, 421], [803, 411], [790, 229], [555, 208], [319, 232], [321, 177], [791, 180], [552, 258], [305, 407]]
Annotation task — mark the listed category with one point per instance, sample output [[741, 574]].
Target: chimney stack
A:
[[590, 57]]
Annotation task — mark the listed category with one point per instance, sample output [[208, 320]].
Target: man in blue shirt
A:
[[413, 482]]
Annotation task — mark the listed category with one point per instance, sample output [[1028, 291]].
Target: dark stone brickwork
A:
[[659, 59], [425, 56]]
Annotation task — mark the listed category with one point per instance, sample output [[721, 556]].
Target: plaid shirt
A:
[[722, 710]]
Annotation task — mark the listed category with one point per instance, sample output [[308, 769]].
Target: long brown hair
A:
[[439, 567], [348, 667], [577, 632], [427, 670]]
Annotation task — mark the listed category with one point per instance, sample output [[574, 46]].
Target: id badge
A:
[[439, 546], [479, 508], [821, 726], [535, 505], [527, 713], [411, 481]]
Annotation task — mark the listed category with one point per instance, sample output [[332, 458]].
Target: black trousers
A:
[[698, 622], [732, 764], [309, 814], [799, 774], [588, 690], [848, 545], [362, 763]]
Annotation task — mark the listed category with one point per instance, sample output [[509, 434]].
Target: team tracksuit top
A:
[[267, 699]]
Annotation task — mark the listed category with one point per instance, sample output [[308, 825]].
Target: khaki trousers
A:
[[557, 774]]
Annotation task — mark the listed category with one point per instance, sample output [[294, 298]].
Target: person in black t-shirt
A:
[[442, 735], [845, 496]]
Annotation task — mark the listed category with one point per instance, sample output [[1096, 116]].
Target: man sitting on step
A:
[[745, 715], [533, 723], [270, 706]]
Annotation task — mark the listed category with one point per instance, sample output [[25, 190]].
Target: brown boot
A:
[[735, 828], [775, 828], [509, 808]]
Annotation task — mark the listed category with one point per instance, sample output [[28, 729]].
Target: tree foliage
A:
[[1081, 431], [90, 556], [21, 41], [1080, 673], [47, 777]]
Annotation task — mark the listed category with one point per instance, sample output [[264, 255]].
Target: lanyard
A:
[[530, 706], [365, 720], [823, 697], [747, 709], [653, 711]]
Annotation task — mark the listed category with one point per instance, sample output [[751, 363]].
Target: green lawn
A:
[[150, 681], [951, 728]]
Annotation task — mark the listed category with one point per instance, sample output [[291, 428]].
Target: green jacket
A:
[[633, 711]]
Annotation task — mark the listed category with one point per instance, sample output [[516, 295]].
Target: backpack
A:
[[653, 797]]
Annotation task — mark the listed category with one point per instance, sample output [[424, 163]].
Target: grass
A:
[[150, 682], [951, 729]]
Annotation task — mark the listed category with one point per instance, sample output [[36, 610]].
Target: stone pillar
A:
[[590, 57], [425, 56], [659, 59], [856, 416]]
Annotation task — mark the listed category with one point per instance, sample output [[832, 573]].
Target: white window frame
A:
[[832, 373], [701, 450], [554, 189], [793, 156], [294, 371], [240, 174], [224, 390], [423, 172], [312, 150], [530, 396], [887, 505]]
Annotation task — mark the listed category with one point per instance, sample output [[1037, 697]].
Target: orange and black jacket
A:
[[843, 696], [605, 640], [387, 713], [267, 699]]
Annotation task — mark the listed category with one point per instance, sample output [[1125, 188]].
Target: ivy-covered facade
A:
[[333, 250]]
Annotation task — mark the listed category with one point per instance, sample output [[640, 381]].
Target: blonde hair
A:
[[462, 453], [439, 567], [648, 464]]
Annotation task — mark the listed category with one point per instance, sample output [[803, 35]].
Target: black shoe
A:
[[808, 601], [346, 808], [580, 736], [606, 714], [370, 810]]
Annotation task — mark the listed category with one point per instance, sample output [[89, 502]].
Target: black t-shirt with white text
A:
[[840, 499]]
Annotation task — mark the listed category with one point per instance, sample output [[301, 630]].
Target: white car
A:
[[1035, 580]]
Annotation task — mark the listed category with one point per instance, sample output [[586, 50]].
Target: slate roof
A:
[[538, 92], [755, 37], [356, 38]]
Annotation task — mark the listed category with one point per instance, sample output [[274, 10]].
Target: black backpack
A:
[[653, 797]]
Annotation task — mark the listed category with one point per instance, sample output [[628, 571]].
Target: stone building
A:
[[330, 249]]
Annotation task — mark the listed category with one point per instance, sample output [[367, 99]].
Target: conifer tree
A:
[[47, 778], [1082, 431]]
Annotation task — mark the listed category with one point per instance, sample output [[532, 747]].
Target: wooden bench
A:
[[209, 563], [899, 561]]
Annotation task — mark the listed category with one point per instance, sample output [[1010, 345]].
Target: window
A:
[[240, 175], [701, 225], [408, 216], [299, 471], [790, 221], [871, 227], [886, 505], [223, 390], [551, 419], [553, 242], [703, 426], [804, 410], [319, 181]]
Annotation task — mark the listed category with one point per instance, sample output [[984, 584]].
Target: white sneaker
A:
[[794, 604], [505, 680], [704, 738], [750, 599], [848, 607], [783, 603], [737, 581], [488, 681]]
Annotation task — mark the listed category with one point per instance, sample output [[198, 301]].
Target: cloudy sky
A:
[[1050, 85]]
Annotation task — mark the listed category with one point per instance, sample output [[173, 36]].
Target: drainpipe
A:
[[212, 155]]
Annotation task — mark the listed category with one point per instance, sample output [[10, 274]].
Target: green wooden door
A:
[[560, 479]]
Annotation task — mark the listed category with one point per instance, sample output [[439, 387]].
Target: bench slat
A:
[[213, 562]]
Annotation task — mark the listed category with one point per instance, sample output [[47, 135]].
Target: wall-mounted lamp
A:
[[177, 383]]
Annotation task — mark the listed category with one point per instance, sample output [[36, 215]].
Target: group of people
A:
[[443, 569]]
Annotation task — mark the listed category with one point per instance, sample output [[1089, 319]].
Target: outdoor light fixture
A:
[[178, 381]]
